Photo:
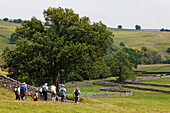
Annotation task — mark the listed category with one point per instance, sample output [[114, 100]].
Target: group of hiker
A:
[[20, 92]]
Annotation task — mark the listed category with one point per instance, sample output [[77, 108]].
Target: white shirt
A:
[[53, 88]]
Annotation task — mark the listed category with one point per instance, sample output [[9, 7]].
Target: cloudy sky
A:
[[147, 13]]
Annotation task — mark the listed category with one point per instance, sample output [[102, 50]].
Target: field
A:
[[150, 67], [140, 102], [144, 37], [6, 29], [158, 81], [165, 69]]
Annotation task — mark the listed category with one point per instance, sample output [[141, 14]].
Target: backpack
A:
[[16, 91], [62, 91], [23, 88], [44, 89], [76, 92]]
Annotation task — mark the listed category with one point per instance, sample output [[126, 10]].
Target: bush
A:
[[168, 50], [5, 19], [77, 77]]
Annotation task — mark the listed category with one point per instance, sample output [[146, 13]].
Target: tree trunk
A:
[[56, 79]]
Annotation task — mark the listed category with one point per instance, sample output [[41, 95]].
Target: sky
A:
[[149, 14]]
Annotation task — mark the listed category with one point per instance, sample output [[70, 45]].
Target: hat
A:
[[62, 85], [24, 83], [45, 84]]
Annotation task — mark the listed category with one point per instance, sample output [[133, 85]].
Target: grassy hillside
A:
[[6, 29], [150, 67], [140, 102], [144, 37]]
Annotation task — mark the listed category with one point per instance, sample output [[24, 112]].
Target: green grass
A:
[[141, 102], [145, 75], [149, 67], [158, 81], [152, 87], [165, 69], [6, 29], [143, 37], [88, 90]]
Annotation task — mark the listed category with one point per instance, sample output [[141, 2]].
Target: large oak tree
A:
[[67, 44]]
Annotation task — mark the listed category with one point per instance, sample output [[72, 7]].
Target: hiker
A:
[[62, 93], [44, 90], [17, 92], [23, 90], [53, 92], [35, 96], [41, 92], [76, 93]]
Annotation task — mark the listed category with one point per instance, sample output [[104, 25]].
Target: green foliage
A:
[[122, 44], [47, 24], [119, 27], [121, 66], [5, 19], [17, 20], [29, 28], [138, 27], [68, 44], [77, 77], [133, 56], [149, 57], [168, 50], [13, 39]]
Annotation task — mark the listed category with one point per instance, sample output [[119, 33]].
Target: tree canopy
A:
[[68, 43]]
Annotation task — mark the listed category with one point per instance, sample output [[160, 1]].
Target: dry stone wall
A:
[[11, 84]]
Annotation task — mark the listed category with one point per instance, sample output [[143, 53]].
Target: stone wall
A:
[[11, 84], [147, 89], [147, 84]]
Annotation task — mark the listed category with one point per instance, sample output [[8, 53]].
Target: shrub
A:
[[77, 77], [168, 50]]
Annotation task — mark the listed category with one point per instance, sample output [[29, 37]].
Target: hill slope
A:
[[6, 29], [140, 38]]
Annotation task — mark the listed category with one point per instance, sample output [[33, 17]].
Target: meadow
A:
[[140, 102], [149, 67], [144, 37], [158, 81]]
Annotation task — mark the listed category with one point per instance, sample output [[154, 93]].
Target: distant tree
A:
[[168, 50], [14, 21], [13, 39], [121, 66], [47, 24], [138, 27], [5, 19], [162, 29], [133, 56], [122, 44], [19, 20], [119, 27]]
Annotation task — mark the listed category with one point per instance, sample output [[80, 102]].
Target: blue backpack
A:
[[62, 91], [76, 92], [23, 88], [44, 89]]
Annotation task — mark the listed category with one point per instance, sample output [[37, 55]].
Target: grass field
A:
[[165, 69], [149, 67], [140, 102], [143, 37], [152, 87], [158, 81], [6, 29]]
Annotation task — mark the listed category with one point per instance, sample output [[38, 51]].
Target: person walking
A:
[[23, 90], [35, 96], [62, 93], [41, 93], [17, 92], [76, 94], [44, 90], [53, 92]]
